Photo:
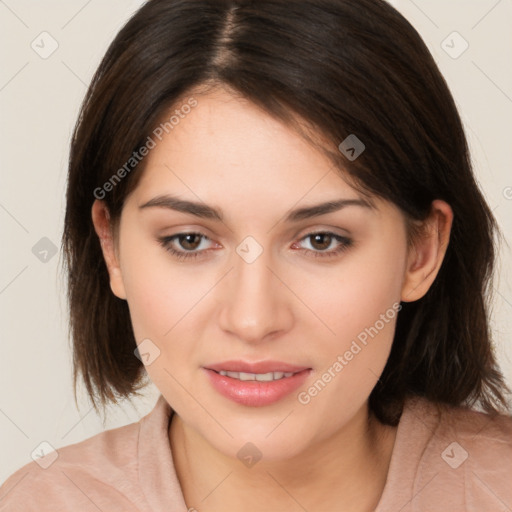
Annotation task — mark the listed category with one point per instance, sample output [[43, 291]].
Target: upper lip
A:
[[259, 367]]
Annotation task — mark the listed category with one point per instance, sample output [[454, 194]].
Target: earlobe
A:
[[103, 228], [428, 251]]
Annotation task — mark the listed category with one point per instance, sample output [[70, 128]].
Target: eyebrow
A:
[[204, 211]]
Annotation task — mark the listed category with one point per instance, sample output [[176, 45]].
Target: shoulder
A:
[[469, 427], [463, 455], [79, 476]]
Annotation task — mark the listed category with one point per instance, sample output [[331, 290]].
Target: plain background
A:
[[39, 101]]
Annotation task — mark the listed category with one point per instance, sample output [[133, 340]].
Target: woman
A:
[[271, 212]]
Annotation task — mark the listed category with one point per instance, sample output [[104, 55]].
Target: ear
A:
[[427, 253], [104, 230]]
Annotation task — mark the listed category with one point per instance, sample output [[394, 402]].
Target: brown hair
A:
[[342, 67]]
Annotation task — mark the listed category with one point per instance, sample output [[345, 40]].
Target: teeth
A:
[[262, 377]]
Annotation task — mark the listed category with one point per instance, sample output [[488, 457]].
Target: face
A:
[[257, 282]]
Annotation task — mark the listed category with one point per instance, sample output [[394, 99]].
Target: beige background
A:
[[39, 101]]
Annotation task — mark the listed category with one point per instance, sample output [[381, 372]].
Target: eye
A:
[[322, 240], [188, 241], [188, 245]]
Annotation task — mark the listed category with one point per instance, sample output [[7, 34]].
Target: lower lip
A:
[[256, 393]]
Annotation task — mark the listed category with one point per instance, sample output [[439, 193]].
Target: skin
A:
[[287, 305]]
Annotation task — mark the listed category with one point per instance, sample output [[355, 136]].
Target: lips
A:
[[255, 393], [256, 384], [258, 368], [261, 377]]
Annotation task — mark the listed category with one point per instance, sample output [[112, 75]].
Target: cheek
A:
[[358, 303], [353, 295], [349, 362], [162, 299], [160, 292]]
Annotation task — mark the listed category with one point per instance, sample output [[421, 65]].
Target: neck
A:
[[344, 472]]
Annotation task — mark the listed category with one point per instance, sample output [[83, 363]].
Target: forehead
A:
[[227, 144]]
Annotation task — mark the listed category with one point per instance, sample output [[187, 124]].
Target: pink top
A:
[[459, 461]]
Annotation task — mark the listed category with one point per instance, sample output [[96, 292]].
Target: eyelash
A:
[[344, 242]]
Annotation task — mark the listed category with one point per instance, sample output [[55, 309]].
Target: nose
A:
[[256, 304]]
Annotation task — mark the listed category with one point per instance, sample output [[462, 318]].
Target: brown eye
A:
[[321, 241], [189, 241], [185, 245], [324, 244]]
